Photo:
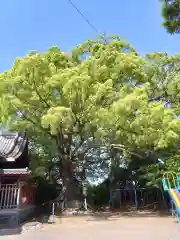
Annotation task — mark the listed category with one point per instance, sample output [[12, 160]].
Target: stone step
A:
[[9, 220]]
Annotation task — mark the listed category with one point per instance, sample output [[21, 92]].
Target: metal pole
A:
[[136, 201], [120, 198], [53, 208], [85, 204], [172, 209], [110, 199]]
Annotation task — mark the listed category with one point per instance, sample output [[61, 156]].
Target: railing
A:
[[171, 180], [9, 196]]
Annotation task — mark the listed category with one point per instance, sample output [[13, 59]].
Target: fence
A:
[[9, 196], [124, 197]]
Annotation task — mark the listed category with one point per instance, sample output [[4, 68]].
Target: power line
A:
[[83, 16]]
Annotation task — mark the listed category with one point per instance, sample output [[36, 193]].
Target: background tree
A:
[[171, 15]]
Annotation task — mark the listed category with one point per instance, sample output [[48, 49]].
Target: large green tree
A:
[[98, 98], [171, 15]]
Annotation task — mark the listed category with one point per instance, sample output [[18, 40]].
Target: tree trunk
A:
[[72, 194]]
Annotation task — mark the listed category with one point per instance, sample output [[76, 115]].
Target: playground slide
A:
[[171, 184], [175, 196]]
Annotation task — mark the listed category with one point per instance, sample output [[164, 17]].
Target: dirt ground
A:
[[105, 228]]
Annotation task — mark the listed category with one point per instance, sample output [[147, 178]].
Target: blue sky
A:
[[37, 24]]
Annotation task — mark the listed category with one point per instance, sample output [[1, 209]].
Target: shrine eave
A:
[[15, 172]]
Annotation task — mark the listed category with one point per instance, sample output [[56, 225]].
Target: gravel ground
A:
[[88, 228]]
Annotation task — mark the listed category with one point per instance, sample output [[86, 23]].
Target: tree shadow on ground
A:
[[113, 216]]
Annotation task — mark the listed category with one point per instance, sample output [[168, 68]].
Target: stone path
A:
[[84, 228]]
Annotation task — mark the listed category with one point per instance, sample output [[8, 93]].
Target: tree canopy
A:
[[171, 15], [85, 109]]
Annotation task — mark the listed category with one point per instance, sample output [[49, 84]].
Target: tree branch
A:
[[33, 122], [37, 92]]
